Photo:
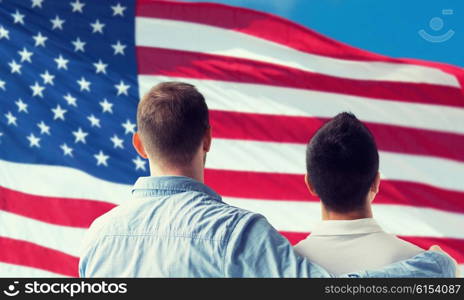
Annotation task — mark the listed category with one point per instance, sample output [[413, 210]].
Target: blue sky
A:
[[389, 27]]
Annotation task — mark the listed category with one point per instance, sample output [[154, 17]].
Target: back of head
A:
[[342, 162], [172, 120]]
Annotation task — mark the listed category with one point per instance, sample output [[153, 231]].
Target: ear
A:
[[138, 145], [207, 139], [310, 186], [376, 184]]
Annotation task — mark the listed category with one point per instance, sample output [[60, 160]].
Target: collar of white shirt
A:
[[346, 227]]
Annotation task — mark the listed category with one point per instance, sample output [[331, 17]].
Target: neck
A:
[[192, 171], [363, 213]]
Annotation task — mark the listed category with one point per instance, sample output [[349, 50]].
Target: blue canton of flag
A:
[[68, 86]]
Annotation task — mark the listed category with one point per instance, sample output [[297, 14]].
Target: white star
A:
[[37, 90], [77, 6], [40, 39], [139, 163], [118, 48], [15, 67], [25, 55], [117, 142], [84, 84], [44, 129], [11, 119], [97, 26], [129, 127], [101, 158], [21, 105], [79, 136], [47, 77], [4, 33], [66, 150], [57, 23], [2, 85], [122, 88], [33, 140], [78, 45], [106, 106], [18, 18], [70, 99], [118, 10], [61, 62], [94, 122], [100, 67], [37, 3], [58, 112]]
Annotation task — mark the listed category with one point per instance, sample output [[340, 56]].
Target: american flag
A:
[[73, 71]]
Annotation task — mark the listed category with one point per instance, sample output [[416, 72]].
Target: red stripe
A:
[[60, 211], [27, 254], [271, 28], [454, 247], [290, 129], [253, 185], [291, 187], [186, 64]]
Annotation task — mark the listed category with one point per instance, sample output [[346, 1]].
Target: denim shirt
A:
[[178, 227]]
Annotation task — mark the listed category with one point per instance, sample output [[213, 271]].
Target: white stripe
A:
[[61, 238], [57, 181], [263, 99], [17, 271], [289, 158], [195, 37], [299, 216]]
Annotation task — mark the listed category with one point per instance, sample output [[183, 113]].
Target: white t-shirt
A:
[[348, 246]]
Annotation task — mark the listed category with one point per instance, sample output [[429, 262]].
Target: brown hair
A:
[[172, 119]]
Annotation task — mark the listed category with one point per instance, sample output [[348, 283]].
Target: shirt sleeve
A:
[[424, 265], [256, 249]]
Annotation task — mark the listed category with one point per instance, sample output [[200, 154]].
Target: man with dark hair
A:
[[342, 165], [176, 226]]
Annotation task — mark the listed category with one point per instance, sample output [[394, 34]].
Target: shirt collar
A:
[[346, 227], [169, 185]]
